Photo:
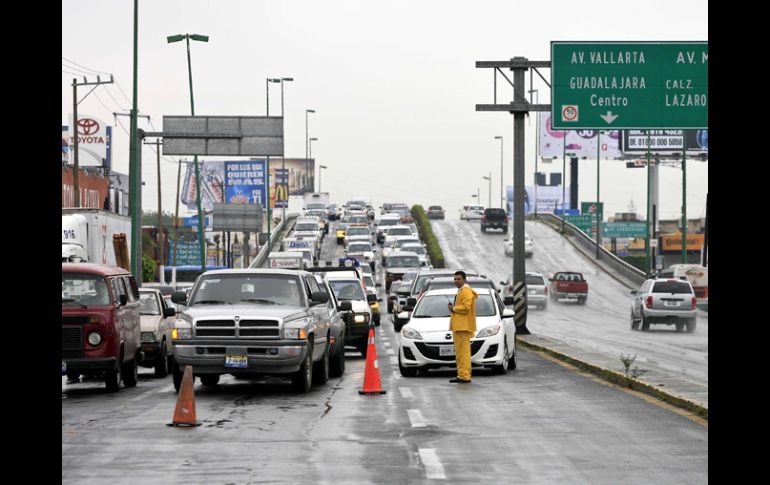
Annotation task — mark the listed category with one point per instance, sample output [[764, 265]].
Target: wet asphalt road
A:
[[541, 423]]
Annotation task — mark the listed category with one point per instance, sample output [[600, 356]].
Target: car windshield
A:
[[672, 287], [400, 231], [402, 242], [359, 220], [435, 306], [314, 205], [422, 281], [409, 276], [149, 304], [414, 248], [306, 226], [369, 281], [434, 208], [347, 289], [83, 289], [359, 247], [240, 288], [388, 222], [534, 280], [358, 231], [403, 262]]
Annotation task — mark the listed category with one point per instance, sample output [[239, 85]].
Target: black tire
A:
[[302, 380], [209, 379], [634, 322], [321, 369], [390, 306], [376, 320], [645, 323], [176, 375], [483, 229], [337, 365], [513, 362], [161, 363], [406, 371], [130, 373], [544, 305], [397, 325], [691, 325], [503, 368], [505, 231], [171, 363], [112, 378]]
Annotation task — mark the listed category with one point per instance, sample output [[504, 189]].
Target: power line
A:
[[84, 67]]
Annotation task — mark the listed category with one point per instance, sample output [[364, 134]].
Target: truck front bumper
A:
[[263, 357]]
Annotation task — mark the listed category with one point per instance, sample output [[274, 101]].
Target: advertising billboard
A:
[[279, 191], [661, 141], [673, 242], [580, 143], [94, 140], [245, 182], [212, 184], [548, 199], [299, 173]]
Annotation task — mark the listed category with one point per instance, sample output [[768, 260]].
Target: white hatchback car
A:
[[426, 341], [469, 212], [529, 246]]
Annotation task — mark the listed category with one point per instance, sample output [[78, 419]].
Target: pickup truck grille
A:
[[241, 329], [71, 342]]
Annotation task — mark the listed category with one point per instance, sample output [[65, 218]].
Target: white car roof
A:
[[453, 291]]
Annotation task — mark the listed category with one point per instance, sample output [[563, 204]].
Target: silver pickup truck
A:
[[254, 322]]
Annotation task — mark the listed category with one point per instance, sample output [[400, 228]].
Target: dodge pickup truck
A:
[[254, 322], [568, 285]]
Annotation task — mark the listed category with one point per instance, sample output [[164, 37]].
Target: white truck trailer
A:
[[87, 235]]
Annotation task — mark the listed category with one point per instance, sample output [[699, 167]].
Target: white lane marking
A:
[[415, 417], [406, 392], [386, 343], [433, 467], [393, 359], [390, 352], [396, 375]]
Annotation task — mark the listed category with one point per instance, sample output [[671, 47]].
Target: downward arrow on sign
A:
[[609, 117]]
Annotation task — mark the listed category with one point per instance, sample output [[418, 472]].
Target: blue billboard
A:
[[245, 182]]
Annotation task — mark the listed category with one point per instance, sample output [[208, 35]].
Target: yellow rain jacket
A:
[[464, 310]]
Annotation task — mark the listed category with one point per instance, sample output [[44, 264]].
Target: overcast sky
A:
[[394, 85]]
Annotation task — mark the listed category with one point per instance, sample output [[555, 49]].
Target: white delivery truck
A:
[[87, 235], [317, 200], [285, 260]]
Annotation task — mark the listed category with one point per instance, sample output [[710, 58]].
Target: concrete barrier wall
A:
[[276, 234]]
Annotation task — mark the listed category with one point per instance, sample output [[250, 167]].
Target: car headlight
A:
[[148, 337], [411, 333], [295, 333], [488, 331], [94, 338], [361, 318], [182, 328]]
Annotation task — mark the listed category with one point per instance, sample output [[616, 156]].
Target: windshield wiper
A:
[[213, 302], [259, 300]]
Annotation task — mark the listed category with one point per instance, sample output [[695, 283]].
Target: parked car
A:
[[157, 321], [567, 284], [249, 322], [101, 329], [436, 212], [471, 212], [537, 289], [665, 302], [494, 219], [426, 341]]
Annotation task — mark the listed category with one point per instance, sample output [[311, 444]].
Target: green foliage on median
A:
[[427, 236]]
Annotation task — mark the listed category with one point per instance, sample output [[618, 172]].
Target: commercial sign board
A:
[[661, 141], [237, 217], [223, 135], [624, 229], [188, 253], [629, 85], [245, 182], [279, 190], [549, 198], [192, 221], [673, 242], [212, 183], [94, 142], [580, 143]]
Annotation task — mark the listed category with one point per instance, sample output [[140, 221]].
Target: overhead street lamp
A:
[[201, 236], [307, 156], [283, 138], [490, 187], [310, 150], [320, 167], [502, 203]]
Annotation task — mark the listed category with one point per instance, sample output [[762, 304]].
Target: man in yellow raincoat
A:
[[463, 326]]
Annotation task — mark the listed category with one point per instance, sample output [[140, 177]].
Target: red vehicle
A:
[[568, 284], [101, 330]]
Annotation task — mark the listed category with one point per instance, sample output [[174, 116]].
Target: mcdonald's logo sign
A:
[[281, 192]]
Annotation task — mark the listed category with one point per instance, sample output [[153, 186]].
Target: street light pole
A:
[[307, 146], [283, 141], [310, 152], [267, 164], [537, 138], [320, 167], [502, 204], [490, 188]]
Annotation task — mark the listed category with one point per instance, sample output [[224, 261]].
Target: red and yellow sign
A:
[[673, 242]]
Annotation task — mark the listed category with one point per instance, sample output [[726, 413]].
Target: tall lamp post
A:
[[267, 163], [537, 139], [310, 152], [283, 138], [490, 187], [201, 237], [320, 167], [307, 146], [502, 204]]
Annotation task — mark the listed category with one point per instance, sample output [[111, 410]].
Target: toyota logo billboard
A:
[[94, 140]]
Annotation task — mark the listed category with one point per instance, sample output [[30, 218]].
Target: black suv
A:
[[494, 219], [435, 212]]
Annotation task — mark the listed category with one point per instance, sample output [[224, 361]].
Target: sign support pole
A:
[[684, 201]]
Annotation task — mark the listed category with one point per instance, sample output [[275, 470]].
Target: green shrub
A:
[[149, 268], [427, 236], [637, 260]]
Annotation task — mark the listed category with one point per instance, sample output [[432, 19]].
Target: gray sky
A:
[[394, 85]]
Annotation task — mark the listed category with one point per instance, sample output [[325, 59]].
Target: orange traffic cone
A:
[[184, 415], [372, 371]]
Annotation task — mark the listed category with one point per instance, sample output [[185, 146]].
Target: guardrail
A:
[[625, 269], [274, 236]]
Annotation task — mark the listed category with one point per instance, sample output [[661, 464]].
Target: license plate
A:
[[446, 350], [671, 303], [63, 368], [532, 292], [236, 361]]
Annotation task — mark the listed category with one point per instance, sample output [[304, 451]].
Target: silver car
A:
[[537, 289], [664, 301]]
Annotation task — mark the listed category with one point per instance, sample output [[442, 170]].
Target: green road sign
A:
[[624, 229], [629, 85], [583, 222]]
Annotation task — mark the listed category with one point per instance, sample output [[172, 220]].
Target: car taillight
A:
[[648, 302], [510, 288], [546, 290], [694, 302]]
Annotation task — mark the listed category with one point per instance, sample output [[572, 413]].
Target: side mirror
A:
[[318, 297], [550, 279], [370, 298], [169, 312], [508, 313], [122, 300], [633, 292], [509, 300], [179, 297], [345, 306]]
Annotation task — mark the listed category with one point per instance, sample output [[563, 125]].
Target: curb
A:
[[621, 380]]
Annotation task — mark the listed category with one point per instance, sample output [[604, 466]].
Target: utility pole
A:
[[75, 103], [176, 214], [135, 166], [157, 144], [684, 197]]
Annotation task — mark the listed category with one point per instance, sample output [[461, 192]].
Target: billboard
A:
[[673, 242], [660, 141], [245, 182], [279, 191], [212, 184], [94, 142], [580, 143], [299, 173], [548, 199]]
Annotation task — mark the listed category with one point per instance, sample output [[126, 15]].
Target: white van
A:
[[471, 211]]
